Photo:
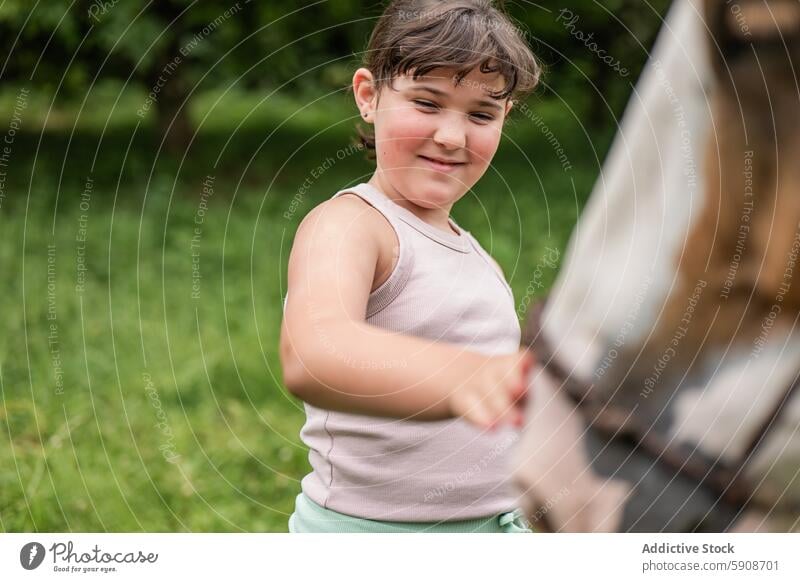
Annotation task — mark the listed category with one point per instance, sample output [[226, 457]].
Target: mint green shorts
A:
[[309, 517]]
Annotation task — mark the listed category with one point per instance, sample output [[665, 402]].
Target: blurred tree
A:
[[592, 49], [167, 46]]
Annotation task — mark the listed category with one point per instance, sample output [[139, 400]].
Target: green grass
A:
[[87, 457]]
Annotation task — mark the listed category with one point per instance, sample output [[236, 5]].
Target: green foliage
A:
[[310, 46]]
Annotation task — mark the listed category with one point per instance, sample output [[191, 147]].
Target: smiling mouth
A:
[[442, 166]]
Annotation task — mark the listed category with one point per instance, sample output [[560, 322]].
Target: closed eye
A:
[[425, 105], [482, 117]]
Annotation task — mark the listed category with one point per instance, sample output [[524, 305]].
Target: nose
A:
[[450, 134]]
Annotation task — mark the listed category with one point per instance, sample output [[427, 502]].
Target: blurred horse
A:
[[667, 393]]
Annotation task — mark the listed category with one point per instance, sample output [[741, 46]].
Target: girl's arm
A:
[[333, 359]]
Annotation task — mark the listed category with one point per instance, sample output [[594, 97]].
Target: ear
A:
[[365, 94], [509, 105]]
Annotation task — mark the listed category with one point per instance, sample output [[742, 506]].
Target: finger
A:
[[524, 386], [528, 360], [482, 417], [519, 391], [513, 415], [521, 403], [506, 410], [515, 405], [519, 387]]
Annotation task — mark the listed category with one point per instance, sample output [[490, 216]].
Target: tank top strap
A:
[[374, 198], [456, 239]]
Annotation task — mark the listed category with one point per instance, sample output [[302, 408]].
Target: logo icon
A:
[[31, 555]]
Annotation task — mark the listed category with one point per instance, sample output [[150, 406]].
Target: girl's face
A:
[[433, 139]]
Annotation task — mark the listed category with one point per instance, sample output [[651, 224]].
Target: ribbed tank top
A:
[[444, 287]]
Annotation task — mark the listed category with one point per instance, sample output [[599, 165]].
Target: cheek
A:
[[400, 134], [483, 145]]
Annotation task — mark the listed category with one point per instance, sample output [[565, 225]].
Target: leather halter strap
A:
[[728, 483]]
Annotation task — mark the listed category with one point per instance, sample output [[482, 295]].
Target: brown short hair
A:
[[417, 36]]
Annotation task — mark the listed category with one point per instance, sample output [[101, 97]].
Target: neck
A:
[[437, 217]]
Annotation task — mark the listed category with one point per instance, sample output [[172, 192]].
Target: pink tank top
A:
[[444, 288]]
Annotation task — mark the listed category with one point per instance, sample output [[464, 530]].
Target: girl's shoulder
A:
[[344, 212], [349, 212]]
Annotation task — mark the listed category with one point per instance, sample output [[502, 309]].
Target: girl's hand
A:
[[494, 392]]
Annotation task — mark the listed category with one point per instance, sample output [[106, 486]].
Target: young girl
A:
[[400, 332]]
